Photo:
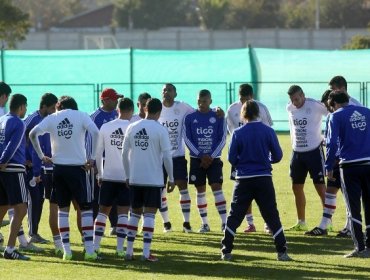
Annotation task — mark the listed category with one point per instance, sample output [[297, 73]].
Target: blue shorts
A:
[[180, 170], [49, 188], [198, 175], [114, 193], [13, 189], [303, 162], [145, 197], [72, 182]]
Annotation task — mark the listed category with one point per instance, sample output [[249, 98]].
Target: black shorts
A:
[[72, 182], [303, 162], [114, 192], [145, 197], [49, 188], [180, 170], [198, 175], [13, 189], [336, 174]]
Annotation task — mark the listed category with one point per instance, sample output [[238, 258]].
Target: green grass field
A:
[[196, 256]]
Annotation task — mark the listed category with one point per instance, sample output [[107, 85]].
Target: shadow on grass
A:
[[254, 257]]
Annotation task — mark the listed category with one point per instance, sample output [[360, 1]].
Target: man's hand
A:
[[170, 187], [100, 181], [329, 174], [205, 161], [37, 179], [3, 166], [220, 113], [89, 164], [46, 159]]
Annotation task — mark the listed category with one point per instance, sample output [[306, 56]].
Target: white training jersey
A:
[[111, 137], [144, 144], [2, 111], [234, 119], [305, 125], [135, 118], [172, 119], [353, 101], [67, 130]]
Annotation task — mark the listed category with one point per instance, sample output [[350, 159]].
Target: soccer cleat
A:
[[284, 257], [344, 233], [129, 257], [37, 238], [186, 227], [204, 228], [330, 228], [298, 227], [120, 253], [92, 257], [316, 232], [358, 254], [151, 258], [30, 248], [67, 257], [227, 257], [267, 229], [5, 223], [15, 255], [167, 227], [113, 231], [58, 251], [250, 228]]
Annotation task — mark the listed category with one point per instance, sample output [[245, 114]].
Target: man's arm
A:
[[16, 134]]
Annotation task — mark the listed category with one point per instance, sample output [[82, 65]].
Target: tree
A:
[[298, 14], [14, 24], [358, 42], [45, 13], [212, 13]]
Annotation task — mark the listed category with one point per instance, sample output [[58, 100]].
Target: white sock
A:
[[329, 209], [87, 224], [220, 203], [249, 219], [202, 207], [185, 203], [99, 228], [164, 207], [121, 230], [148, 229], [131, 232], [63, 225]]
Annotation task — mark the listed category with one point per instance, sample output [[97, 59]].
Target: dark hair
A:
[[154, 105], [48, 99], [5, 89], [338, 81], [66, 102], [294, 89], [125, 105], [339, 97], [325, 96], [250, 110], [171, 85], [16, 101], [246, 90], [144, 96], [204, 93]]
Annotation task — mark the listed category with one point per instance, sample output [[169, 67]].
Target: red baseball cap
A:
[[110, 93]]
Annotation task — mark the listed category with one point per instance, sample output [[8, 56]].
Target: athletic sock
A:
[[164, 207], [202, 207], [220, 203], [249, 219], [63, 225], [148, 229], [21, 237], [121, 229], [99, 228], [87, 224], [329, 209], [131, 232], [185, 203]]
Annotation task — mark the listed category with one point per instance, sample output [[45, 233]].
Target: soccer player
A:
[[340, 83], [111, 175], [106, 113], [13, 191], [305, 118], [172, 118], [146, 139], [40, 174], [253, 148], [205, 136], [67, 128], [332, 185], [141, 103], [349, 133], [234, 121], [34, 171]]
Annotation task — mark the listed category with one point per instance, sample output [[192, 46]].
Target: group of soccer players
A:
[[116, 164]]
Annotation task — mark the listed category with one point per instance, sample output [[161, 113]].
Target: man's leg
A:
[[20, 211], [220, 202], [185, 203]]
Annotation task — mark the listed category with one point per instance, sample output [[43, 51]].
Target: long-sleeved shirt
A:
[[204, 134], [348, 132], [253, 148], [12, 143]]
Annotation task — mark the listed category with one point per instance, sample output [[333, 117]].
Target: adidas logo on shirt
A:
[[195, 121], [117, 138], [141, 139], [358, 121], [65, 129]]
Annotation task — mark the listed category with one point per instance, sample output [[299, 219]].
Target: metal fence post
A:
[[131, 73], [2, 63]]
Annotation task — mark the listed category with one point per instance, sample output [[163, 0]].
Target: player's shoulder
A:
[[235, 106], [313, 102]]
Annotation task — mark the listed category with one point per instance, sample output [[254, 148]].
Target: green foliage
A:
[[212, 13], [298, 15], [14, 24], [358, 42]]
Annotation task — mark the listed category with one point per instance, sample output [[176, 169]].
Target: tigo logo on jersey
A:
[[117, 138], [171, 125], [302, 123], [358, 121], [141, 139], [65, 128], [207, 132]]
